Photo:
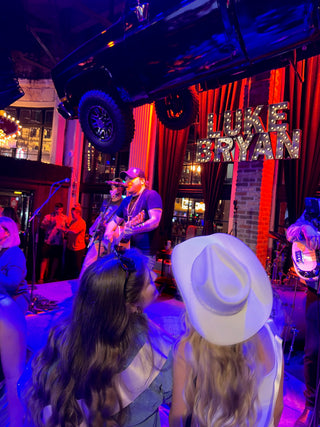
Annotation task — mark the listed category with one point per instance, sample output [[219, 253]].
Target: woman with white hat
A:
[[228, 366]]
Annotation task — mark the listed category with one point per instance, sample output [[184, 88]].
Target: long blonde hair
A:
[[222, 385]]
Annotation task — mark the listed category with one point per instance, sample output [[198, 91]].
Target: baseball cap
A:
[[133, 173]]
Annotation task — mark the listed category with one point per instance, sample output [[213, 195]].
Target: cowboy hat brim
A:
[[216, 328]]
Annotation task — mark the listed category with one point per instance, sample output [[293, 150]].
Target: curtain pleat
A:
[[302, 176], [171, 151], [213, 174]]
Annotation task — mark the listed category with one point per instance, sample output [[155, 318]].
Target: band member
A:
[[141, 212], [96, 246], [306, 231]]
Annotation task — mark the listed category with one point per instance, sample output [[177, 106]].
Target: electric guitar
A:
[[123, 239], [306, 263]]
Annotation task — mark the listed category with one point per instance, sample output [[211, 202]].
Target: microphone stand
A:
[[96, 231], [44, 304]]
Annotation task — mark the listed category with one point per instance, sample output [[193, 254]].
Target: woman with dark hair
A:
[[106, 364], [10, 212]]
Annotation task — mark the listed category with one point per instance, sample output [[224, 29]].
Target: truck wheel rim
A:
[[100, 123]]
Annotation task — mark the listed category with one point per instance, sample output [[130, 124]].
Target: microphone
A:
[[116, 184], [66, 180]]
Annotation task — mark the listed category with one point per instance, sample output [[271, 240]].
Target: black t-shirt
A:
[[130, 208]]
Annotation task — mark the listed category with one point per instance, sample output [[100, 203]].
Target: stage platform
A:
[[54, 300]]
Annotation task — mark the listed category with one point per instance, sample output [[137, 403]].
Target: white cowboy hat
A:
[[227, 293]]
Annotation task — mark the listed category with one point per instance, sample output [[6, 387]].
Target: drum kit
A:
[[289, 293]]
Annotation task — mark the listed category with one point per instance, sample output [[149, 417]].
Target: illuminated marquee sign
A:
[[9, 130], [250, 136]]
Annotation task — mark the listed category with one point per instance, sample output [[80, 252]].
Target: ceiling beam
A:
[[24, 58], [44, 47], [97, 17]]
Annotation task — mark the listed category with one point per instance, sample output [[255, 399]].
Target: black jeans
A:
[[73, 263]]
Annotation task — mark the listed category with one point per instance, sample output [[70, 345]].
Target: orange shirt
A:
[[76, 234]]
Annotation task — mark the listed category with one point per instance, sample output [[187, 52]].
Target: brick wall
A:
[[254, 183], [248, 201]]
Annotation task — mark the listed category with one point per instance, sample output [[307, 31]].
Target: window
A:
[[97, 168], [35, 141], [189, 209], [191, 172]]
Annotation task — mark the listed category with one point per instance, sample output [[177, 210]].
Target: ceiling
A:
[[39, 33]]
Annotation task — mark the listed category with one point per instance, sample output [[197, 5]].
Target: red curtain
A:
[[213, 174], [171, 150], [302, 176]]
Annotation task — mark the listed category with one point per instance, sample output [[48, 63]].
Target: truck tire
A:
[[107, 124], [179, 109]]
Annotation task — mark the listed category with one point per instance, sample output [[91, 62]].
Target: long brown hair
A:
[[85, 352]]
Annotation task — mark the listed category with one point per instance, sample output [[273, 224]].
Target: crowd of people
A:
[[107, 363]]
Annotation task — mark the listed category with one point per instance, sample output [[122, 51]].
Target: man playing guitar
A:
[[96, 248], [305, 236], [140, 212]]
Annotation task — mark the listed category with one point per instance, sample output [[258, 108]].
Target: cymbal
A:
[[281, 237]]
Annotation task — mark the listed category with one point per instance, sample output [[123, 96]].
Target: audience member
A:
[[12, 264], [76, 245], [13, 355], [10, 212], [228, 367], [106, 364], [12, 322], [53, 224]]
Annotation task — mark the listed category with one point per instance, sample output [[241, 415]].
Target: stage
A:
[[54, 300]]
